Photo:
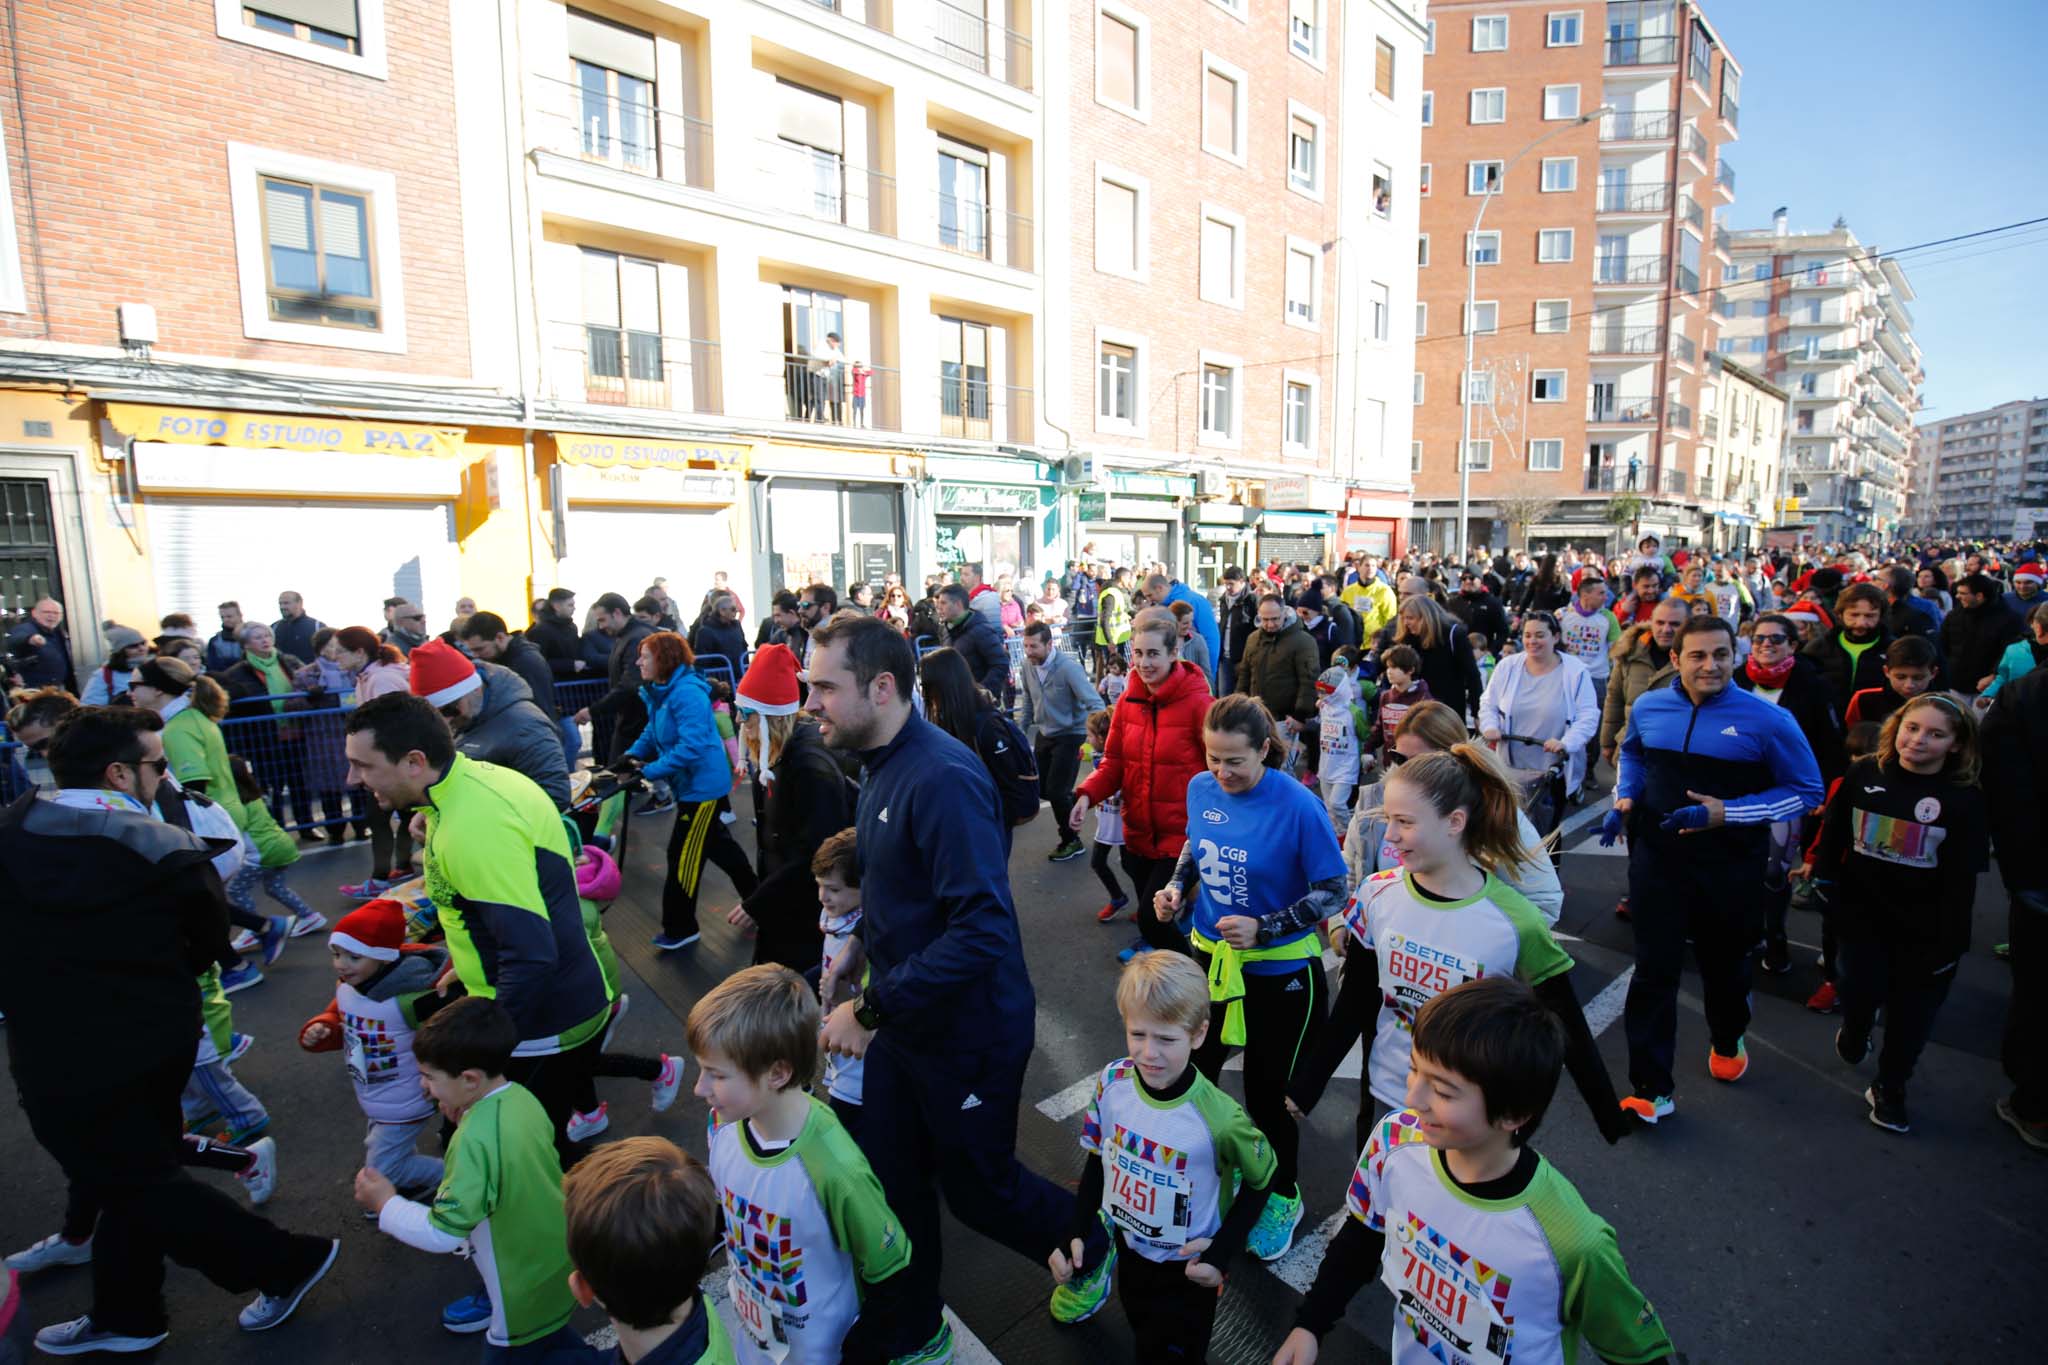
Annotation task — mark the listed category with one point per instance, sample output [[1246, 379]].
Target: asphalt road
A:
[[1767, 1221]]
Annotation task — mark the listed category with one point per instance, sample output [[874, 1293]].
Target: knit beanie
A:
[[374, 929], [122, 637], [769, 686], [442, 673]]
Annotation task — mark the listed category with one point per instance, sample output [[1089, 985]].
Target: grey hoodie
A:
[[1060, 703], [512, 732]]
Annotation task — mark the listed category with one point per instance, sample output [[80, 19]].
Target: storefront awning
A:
[[272, 431]]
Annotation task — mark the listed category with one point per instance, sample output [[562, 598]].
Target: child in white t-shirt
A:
[[1109, 822], [836, 865]]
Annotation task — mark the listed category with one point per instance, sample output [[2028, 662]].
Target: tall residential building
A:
[[1825, 317], [1600, 240], [1233, 276], [1742, 431], [1983, 474]]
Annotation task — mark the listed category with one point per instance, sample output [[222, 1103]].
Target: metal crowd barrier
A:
[[292, 742]]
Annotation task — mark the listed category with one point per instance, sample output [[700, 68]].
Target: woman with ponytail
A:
[[1258, 874], [1445, 917]]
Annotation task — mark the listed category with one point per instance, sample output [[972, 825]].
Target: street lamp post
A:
[[1471, 335]]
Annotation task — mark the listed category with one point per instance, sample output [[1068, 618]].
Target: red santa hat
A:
[[2030, 569], [1803, 613], [770, 684], [442, 673], [374, 929]]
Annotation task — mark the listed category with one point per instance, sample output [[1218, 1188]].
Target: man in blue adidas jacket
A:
[[946, 1019], [1705, 768]]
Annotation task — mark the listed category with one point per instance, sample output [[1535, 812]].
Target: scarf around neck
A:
[[1770, 677], [271, 666]]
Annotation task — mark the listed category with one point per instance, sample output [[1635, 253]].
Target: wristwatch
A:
[[867, 1016]]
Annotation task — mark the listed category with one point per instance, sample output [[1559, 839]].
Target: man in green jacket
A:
[[1280, 664], [503, 881]]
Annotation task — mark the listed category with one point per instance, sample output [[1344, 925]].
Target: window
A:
[[1121, 201], [1562, 30], [1380, 306], [1553, 315], [1415, 447], [1490, 33], [1479, 456], [1428, 108], [1809, 385], [1422, 249], [316, 247], [1421, 320], [964, 214], [1418, 388], [1429, 40], [1116, 368], [1422, 181], [622, 330], [1383, 68], [1546, 454], [1482, 316], [1223, 109], [1489, 105], [1121, 68], [1547, 386], [1217, 383], [1301, 285], [1759, 308], [1482, 177], [1482, 248], [1305, 28], [1560, 174], [1560, 101], [1304, 152], [1554, 244], [1297, 419], [13, 292], [345, 34], [1222, 272], [612, 67]]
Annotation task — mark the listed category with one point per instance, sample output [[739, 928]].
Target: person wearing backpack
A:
[[954, 703]]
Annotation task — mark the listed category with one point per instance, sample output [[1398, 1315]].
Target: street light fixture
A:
[[1471, 334]]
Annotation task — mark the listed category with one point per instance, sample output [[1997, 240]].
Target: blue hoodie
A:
[[681, 745]]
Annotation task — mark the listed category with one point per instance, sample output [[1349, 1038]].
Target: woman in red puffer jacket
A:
[[1154, 751]]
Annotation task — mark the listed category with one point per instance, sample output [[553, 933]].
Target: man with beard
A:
[[1851, 656]]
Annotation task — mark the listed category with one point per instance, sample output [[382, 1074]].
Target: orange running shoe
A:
[[1728, 1069], [1648, 1109]]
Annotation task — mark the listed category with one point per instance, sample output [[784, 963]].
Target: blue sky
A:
[[1914, 122]]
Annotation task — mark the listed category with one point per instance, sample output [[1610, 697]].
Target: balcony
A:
[[970, 40], [1723, 245], [621, 131], [1631, 126], [972, 228], [1633, 198], [820, 185], [1638, 341], [1694, 144], [1672, 483], [1690, 213], [1823, 277], [1683, 350], [617, 367], [1678, 416], [1657, 51], [973, 409], [1623, 411], [867, 13], [834, 391], [1625, 270], [1724, 179], [1710, 427], [1731, 111]]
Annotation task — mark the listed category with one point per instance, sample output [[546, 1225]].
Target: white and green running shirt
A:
[[1427, 946], [1518, 1281], [805, 1226], [1169, 1166]]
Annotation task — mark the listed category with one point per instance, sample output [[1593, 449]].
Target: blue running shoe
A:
[[469, 1314], [277, 931]]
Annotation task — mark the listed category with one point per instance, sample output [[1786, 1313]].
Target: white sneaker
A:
[[260, 1180], [303, 925], [51, 1252], [245, 942], [668, 1084], [582, 1126], [76, 1337]]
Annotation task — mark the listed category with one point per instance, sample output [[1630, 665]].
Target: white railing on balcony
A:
[[621, 131], [621, 367]]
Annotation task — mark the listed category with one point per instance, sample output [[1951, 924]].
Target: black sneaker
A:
[[1067, 852], [1851, 1048], [1887, 1109], [1777, 958], [655, 805]]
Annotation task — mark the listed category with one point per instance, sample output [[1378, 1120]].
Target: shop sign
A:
[[648, 452], [274, 431], [1094, 506], [631, 483], [1300, 492], [994, 500]]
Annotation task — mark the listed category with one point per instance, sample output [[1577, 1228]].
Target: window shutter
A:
[[1218, 247], [614, 46], [1300, 275], [1383, 69], [341, 226], [335, 16], [288, 210], [640, 295], [600, 288], [1116, 225], [808, 117], [1220, 103], [1117, 51]]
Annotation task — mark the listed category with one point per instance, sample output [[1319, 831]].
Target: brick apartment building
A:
[[1593, 314], [1983, 475]]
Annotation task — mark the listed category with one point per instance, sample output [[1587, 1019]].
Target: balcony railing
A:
[[1629, 269], [616, 130], [1724, 179], [1690, 212], [1685, 278], [616, 366], [816, 184], [869, 13], [1682, 348], [1678, 416], [1623, 411], [1657, 51], [1626, 340], [972, 228], [1724, 245], [1710, 426], [1652, 125], [837, 391], [1730, 111], [1694, 144], [1633, 198], [1672, 482], [970, 40], [976, 410]]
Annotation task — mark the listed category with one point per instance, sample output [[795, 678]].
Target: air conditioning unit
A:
[[1211, 484], [1079, 471]]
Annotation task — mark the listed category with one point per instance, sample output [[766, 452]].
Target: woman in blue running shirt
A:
[[1259, 873]]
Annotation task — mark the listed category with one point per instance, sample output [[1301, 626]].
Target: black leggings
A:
[[1283, 1012], [1171, 1316], [390, 837], [1099, 861], [1149, 877]]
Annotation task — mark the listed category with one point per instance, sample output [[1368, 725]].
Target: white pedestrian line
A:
[[1596, 810], [1071, 1101], [1350, 1069], [1297, 1269], [1619, 849], [1603, 1009]]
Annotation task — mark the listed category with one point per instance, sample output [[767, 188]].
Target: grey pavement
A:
[[1767, 1221]]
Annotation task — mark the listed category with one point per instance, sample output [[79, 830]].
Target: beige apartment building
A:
[[1229, 295], [1594, 137], [1982, 475], [1740, 458]]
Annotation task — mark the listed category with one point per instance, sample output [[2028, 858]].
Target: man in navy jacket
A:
[[1705, 768], [945, 1022], [976, 641]]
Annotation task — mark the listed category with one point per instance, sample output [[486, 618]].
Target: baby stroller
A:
[[1543, 792]]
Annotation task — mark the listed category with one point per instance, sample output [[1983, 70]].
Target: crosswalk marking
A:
[[1069, 1102], [1603, 1009], [1297, 1269]]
